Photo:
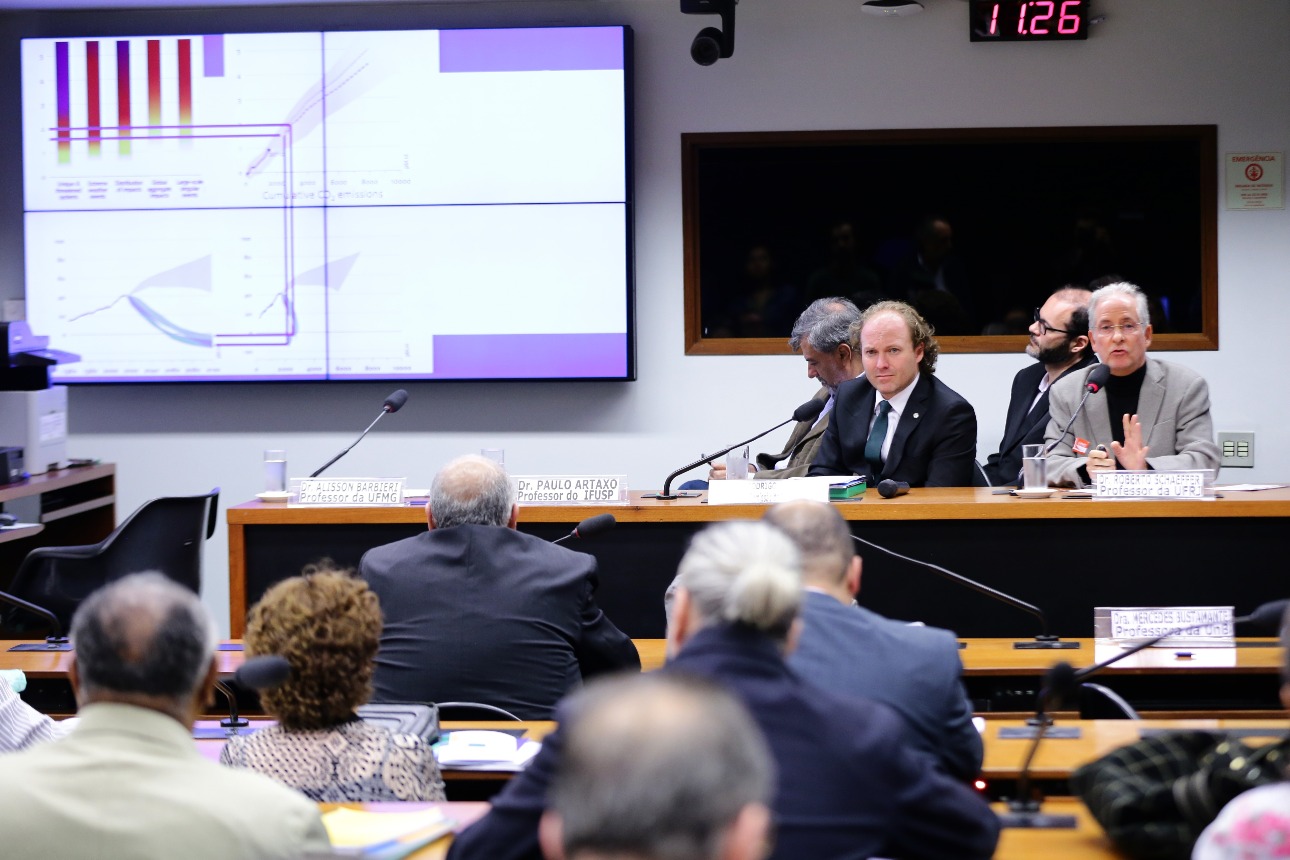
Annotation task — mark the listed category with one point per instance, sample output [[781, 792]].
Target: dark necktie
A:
[[878, 435]]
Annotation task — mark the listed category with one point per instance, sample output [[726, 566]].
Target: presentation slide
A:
[[358, 205]]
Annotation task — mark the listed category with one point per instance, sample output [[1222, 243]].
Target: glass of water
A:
[[275, 471], [1034, 467]]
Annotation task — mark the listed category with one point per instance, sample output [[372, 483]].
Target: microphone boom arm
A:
[[666, 495], [324, 466], [978, 587]]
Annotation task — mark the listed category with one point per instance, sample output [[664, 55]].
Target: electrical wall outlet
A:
[[1236, 449]]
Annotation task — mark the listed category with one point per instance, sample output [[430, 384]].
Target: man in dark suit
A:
[[1059, 343], [477, 611], [847, 786], [848, 649], [899, 422]]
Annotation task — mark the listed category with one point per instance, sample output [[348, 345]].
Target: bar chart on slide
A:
[[184, 193]]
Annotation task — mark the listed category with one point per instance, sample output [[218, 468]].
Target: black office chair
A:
[[473, 711], [164, 535], [1097, 702]]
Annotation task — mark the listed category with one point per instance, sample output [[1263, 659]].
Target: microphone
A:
[[590, 527], [56, 638], [889, 489], [264, 672], [1024, 809], [233, 721], [256, 673], [1097, 378], [393, 403], [1062, 679], [1044, 640], [808, 411]]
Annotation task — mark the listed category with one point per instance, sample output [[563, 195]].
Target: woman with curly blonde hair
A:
[[327, 624]]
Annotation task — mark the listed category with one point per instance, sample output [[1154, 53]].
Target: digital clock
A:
[[1027, 20]]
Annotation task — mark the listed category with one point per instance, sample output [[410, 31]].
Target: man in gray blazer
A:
[[846, 648], [1150, 414], [129, 781], [822, 335]]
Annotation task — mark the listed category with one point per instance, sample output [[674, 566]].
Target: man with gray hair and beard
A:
[[822, 335], [477, 611], [129, 781], [659, 767]]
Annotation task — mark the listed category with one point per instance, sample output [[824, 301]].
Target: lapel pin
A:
[[915, 414]]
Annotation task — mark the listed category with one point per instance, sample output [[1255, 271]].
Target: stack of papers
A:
[[383, 835]]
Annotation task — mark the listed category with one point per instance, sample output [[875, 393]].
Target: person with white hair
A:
[[849, 783], [1151, 414]]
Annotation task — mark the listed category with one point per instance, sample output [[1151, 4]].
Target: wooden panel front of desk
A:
[[1066, 556]]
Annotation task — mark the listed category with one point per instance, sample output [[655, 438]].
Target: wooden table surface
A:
[[1086, 842], [924, 503], [1058, 757], [981, 657]]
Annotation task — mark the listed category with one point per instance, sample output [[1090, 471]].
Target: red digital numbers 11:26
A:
[[1036, 17]]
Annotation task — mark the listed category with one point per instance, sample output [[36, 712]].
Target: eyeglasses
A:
[[1108, 330], [1046, 328]]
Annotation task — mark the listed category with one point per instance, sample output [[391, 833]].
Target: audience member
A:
[[848, 784], [1256, 825], [1154, 797], [478, 611], [1150, 414], [823, 335], [129, 782], [846, 648], [845, 273], [327, 625], [933, 279], [659, 767], [1059, 343], [899, 421], [21, 725]]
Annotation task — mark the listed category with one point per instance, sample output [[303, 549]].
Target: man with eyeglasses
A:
[[1150, 414], [1059, 343]]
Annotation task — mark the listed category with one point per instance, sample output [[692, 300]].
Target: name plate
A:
[[349, 492], [570, 489], [750, 492], [1147, 484], [1131, 624]]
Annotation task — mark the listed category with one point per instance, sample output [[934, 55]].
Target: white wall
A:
[[798, 64]]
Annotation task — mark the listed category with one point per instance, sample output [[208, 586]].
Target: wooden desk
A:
[[1025, 547], [1001, 678], [1057, 758], [463, 813], [998, 677], [74, 506], [1086, 842]]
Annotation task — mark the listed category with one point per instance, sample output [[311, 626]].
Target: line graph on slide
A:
[[183, 221]]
